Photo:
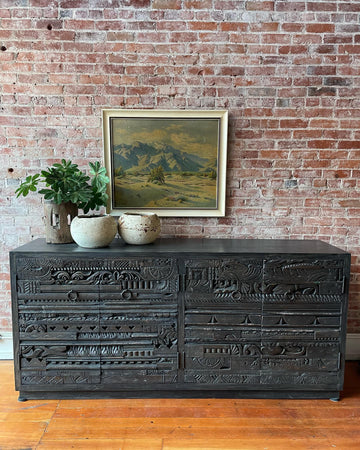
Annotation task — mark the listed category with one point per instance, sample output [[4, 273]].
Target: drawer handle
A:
[[73, 295]]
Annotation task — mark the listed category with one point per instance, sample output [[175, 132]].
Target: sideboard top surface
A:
[[189, 246]]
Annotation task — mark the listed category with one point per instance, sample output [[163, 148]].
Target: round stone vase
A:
[[93, 231], [139, 228]]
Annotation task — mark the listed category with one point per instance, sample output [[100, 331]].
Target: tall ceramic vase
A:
[[57, 220]]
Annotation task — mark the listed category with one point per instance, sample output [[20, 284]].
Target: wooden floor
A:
[[172, 424]]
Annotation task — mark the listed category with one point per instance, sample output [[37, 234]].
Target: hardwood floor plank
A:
[[20, 435], [102, 444], [202, 403], [247, 444], [198, 428], [82, 444], [143, 444], [204, 412], [29, 412]]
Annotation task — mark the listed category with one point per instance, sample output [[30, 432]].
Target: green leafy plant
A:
[[65, 182]]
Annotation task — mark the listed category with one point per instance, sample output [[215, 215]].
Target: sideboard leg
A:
[[335, 399], [22, 399]]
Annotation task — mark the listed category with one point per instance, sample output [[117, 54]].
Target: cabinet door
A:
[[139, 323], [57, 311], [303, 323], [222, 329]]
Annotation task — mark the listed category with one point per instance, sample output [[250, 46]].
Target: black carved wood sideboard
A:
[[180, 318]]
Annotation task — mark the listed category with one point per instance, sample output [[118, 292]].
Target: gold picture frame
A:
[[170, 162]]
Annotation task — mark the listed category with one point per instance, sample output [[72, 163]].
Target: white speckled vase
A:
[[139, 228], [93, 231]]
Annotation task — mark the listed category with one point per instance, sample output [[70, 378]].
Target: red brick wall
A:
[[287, 71]]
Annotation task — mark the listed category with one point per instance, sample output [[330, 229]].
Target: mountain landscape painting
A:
[[165, 163]]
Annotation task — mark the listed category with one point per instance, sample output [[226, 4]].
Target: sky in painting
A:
[[199, 136]]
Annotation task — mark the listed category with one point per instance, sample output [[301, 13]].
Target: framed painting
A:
[[169, 162]]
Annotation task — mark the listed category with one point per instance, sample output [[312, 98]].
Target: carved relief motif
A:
[[193, 376], [302, 278], [302, 379], [96, 272], [297, 271], [39, 379], [224, 278], [254, 349], [284, 278]]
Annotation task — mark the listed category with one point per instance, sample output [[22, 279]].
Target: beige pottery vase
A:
[[139, 228], [93, 231]]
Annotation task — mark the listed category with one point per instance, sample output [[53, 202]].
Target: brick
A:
[[315, 91], [350, 49], [259, 5], [351, 203], [337, 81], [292, 27], [348, 28], [289, 6], [321, 70], [74, 4], [276, 38], [292, 49], [233, 26], [322, 143], [232, 71], [349, 144], [120, 36], [132, 3], [293, 123], [338, 39], [323, 123], [79, 24], [325, 49], [349, 7], [320, 28], [322, 6], [198, 4], [207, 26], [90, 36], [166, 4]]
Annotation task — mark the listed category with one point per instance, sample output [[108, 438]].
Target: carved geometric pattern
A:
[[193, 376], [304, 278], [224, 278], [95, 272]]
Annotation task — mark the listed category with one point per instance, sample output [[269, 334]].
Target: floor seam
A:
[[47, 425]]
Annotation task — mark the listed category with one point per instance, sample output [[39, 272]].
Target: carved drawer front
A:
[[222, 363], [318, 325], [301, 348], [138, 345], [227, 281], [56, 281], [222, 347], [75, 323], [216, 325], [294, 356], [146, 281], [304, 281], [60, 363]]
